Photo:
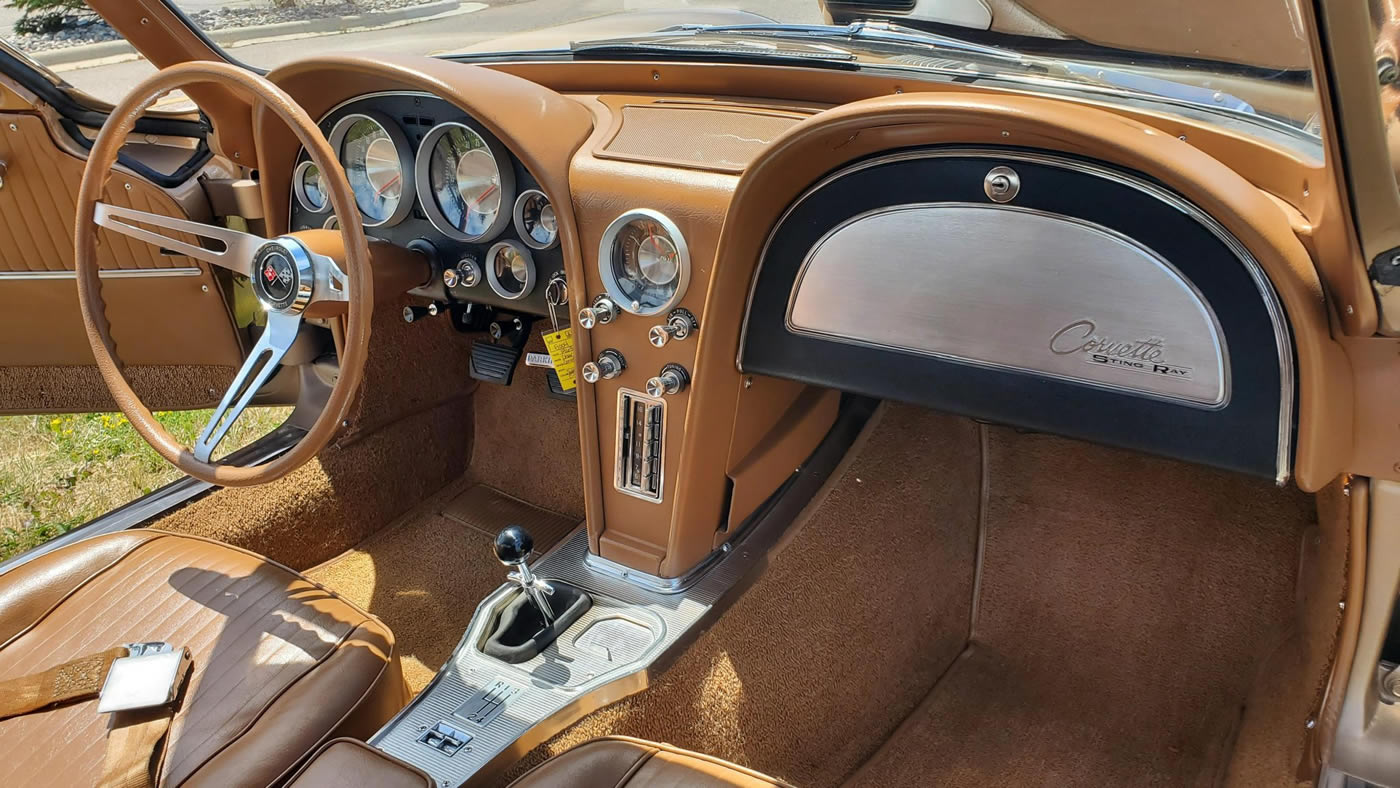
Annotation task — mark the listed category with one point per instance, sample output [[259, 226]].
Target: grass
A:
[[59, 471]]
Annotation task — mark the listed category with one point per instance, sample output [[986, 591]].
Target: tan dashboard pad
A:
[[1297, 178], [93, 193]]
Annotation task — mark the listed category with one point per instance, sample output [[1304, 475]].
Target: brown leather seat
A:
[[280, 663], [618, 761]]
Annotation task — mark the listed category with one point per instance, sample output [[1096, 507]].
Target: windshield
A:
[[1242, 62]]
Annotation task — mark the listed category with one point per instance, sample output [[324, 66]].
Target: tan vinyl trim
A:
[[1357, 154]]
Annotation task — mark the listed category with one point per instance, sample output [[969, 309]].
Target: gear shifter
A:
[[513, 546], [529, 619]]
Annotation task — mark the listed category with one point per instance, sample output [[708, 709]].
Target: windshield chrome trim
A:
[[1283, 338]]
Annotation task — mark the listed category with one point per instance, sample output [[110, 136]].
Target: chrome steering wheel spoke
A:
[[262, 362], [330, 283], [236, 254]]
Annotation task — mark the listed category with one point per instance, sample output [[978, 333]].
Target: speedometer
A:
[[644, 262], [465, 182], [377, 162]]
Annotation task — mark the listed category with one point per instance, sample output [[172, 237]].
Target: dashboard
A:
[[736, 255]]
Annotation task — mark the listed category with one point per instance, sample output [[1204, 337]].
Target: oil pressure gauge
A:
[[644, 262]]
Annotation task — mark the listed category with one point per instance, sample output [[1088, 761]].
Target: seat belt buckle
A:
[[148, 676]]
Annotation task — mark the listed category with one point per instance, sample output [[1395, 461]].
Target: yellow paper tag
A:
[[561, 351]]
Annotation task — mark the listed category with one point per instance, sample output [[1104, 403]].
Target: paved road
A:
[[452, 34]]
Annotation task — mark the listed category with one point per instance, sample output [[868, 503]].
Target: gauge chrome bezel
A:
[[491, 279], [519, 217], [299, 188], [605, 261], [401, 146], [422, 160]]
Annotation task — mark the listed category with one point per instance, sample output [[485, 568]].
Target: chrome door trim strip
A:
[[1282, 337], [1221, 352], [106, 273]]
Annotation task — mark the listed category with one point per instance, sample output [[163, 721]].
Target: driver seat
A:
[[280, 664]]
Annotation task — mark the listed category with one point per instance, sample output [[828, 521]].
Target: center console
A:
[[569, 633]]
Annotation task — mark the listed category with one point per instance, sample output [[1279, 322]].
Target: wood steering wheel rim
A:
[[355, 290]]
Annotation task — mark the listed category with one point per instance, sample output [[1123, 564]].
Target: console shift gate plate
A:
[[486, 705]]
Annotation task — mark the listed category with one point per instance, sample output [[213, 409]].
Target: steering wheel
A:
[[290, 279]]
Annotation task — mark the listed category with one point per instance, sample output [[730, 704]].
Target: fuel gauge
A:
[[535, 220]]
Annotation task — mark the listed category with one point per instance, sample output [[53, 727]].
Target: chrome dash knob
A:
[[679, 325], [609, 365], [468, 272], [671, 380], [602, 312]]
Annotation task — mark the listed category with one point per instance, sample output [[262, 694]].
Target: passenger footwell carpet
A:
[[1126, 606], [425, 574]]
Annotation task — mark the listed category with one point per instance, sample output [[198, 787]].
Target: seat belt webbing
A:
[[135, 737], [79, 679]]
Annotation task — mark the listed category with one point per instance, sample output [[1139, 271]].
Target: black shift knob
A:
[[513, 545]]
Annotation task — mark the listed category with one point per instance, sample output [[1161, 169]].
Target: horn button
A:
[[282, 276]]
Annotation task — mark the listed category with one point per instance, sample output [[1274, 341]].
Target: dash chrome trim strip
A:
[[106, 273]]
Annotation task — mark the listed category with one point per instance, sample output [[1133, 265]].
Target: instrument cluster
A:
[[422, 171]]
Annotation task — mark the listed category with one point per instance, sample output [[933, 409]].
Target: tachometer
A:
[[510, 270], [465, 182], [377, 162], [535, 220], [644, 262]]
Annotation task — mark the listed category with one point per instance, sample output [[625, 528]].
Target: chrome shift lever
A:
[[513, 546]]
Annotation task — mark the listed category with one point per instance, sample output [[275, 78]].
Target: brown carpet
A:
[[527, 441], [819, 662], [81, 389], [407, 438], [425, 574], [1126, 605]]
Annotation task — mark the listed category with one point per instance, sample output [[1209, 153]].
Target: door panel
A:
[[168, 312]]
